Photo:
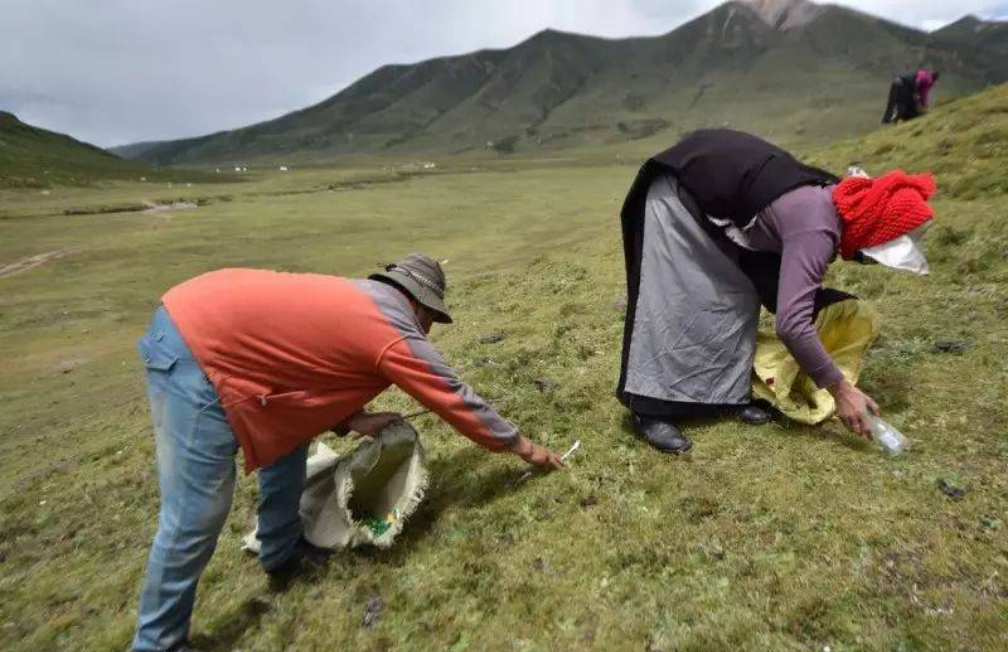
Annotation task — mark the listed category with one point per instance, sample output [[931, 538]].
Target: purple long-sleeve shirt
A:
[[803, 227]]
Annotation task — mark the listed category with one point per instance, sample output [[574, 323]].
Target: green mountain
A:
[[990, 36], [133, 150], [790, 69], [30, 156]]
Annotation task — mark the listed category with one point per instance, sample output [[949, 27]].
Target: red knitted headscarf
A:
[[874, 211]]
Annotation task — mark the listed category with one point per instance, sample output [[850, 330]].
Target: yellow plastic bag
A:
[[847, 328]]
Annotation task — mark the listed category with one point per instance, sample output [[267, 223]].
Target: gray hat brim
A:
[[423, 295]]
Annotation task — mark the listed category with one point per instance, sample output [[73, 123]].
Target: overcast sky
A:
[[117, 71]]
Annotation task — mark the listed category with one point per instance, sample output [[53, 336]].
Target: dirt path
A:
[[32, 262]]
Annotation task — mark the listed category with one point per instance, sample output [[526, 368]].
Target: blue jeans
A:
[[196, 472]]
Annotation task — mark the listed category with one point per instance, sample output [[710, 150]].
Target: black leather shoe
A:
[[662, 435], [753, 415]]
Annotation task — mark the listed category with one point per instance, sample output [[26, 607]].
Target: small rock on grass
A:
[[951, 346], [372, 611], [950, 490], [545, 384], [3, 556], [713, 550], [66, 366], [492, 338], [653, 645]]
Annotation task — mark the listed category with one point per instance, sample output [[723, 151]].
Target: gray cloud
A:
[[118, 71]]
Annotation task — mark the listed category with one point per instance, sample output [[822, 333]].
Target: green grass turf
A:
[[778, 537]]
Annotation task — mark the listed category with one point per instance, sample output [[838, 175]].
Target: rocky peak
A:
[[784, 14]]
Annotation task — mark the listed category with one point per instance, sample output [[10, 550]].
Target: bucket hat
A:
[[424, 280]]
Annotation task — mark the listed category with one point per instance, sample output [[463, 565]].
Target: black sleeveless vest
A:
[[731, 175]]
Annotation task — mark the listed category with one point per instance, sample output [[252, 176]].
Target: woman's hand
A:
[[853, 406], [536, 455]]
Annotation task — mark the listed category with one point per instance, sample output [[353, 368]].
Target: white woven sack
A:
[[365, 496]]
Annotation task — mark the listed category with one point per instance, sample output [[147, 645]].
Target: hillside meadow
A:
[[32, 158], [778, 537]]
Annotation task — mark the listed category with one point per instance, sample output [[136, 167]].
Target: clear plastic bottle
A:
[[888, 438]]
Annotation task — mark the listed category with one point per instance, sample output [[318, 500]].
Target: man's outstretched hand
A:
[[536, 455], [369, 424]]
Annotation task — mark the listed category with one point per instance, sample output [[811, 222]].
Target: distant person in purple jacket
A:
[[908, 95], [721, 223]]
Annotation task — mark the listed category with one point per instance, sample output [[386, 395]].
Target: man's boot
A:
[[305, 559], [662, 435]]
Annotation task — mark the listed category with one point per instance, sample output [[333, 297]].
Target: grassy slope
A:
[[766, 538], [35, 157], [964, 142], [31, 157]]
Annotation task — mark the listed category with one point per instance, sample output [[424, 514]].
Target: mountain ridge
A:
[[757, 64]]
